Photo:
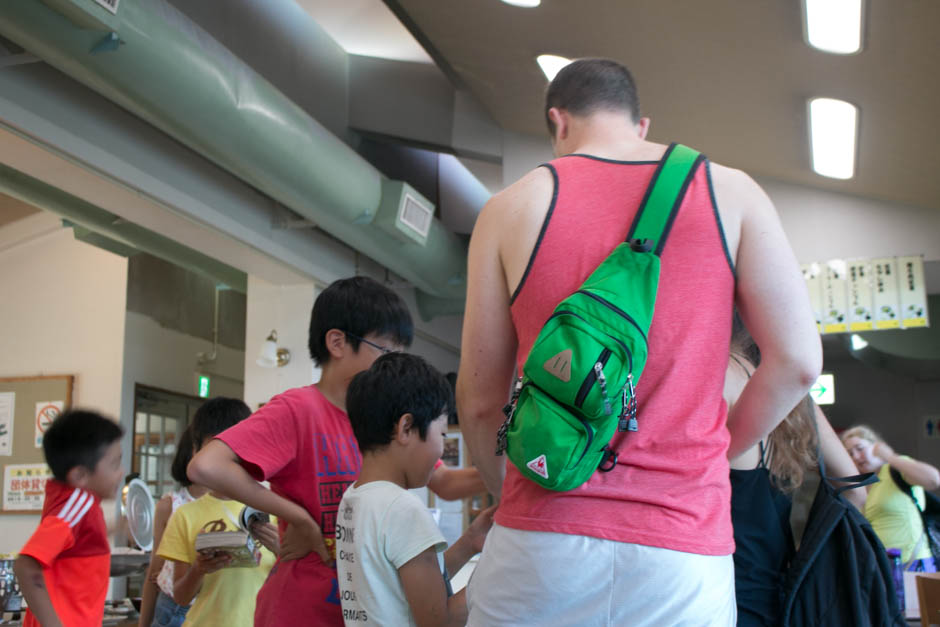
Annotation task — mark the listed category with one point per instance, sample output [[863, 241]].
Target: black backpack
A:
[[840, 574], [930, 515]]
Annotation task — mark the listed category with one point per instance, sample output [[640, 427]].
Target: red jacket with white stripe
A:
[[71, 544]]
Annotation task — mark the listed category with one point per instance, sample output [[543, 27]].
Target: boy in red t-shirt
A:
[[301, 442], [63, 570]]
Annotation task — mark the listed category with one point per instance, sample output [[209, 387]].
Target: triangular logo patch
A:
[[539, 466], [559, 366]]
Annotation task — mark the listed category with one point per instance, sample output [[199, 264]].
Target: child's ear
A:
[[78, 477], [336, 344], [404, 428]]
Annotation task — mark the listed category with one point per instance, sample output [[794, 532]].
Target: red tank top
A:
[[670, 488]]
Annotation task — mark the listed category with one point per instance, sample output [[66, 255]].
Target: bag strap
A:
[[664, 195], [907, 488]]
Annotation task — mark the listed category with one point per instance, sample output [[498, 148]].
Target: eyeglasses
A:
[[384, 349]]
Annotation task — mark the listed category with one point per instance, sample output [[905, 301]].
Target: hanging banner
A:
[[861, 301], [913, 292], [887, 298], [835, 297], [812, 274]]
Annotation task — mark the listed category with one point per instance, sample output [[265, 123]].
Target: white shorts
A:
[[537, 578]]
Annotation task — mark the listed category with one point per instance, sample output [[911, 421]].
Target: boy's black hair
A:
[[184, 453], [358, 306], [78, 438], [395, 385], [586, 86], [215, 416]]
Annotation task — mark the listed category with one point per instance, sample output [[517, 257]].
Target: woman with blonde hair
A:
[[889, 507], [762, 481]]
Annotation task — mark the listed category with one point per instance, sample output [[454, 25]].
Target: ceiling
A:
[[730, 77], [12, 209]]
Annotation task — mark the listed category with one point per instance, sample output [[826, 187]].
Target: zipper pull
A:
[[602, 380], [509, 410], [628, 420]]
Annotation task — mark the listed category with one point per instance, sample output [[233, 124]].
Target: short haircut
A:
[[587, 86], [78, 438], [395, 385], [357, 306], [184, 453], [215, 416]]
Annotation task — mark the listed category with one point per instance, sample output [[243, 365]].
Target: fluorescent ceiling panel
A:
[[551, 64], [528, 4], [833, 25], [833, 130]]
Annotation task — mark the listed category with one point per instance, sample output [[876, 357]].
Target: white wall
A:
[[164, 358], [825, 225], [62, 312], [286, 309]]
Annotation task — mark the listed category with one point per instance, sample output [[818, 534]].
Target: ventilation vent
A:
[[415, 215]]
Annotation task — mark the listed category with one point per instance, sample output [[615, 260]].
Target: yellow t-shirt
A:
[[227, 596], [894, 518]]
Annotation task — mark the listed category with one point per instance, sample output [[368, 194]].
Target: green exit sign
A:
[[824, 390], [203, 386]]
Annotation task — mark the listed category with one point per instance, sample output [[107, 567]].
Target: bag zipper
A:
[[591, 379], [617, 310]]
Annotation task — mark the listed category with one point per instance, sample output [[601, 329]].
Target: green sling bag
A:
[[578, 384]]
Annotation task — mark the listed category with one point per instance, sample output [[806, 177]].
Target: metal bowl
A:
[[123, 564]]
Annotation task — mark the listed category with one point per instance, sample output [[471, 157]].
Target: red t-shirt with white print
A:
[[304, 446]]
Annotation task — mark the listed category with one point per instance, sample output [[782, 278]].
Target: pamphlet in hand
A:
[[244, 550]]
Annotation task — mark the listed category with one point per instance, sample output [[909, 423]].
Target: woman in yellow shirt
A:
[[888, 508]]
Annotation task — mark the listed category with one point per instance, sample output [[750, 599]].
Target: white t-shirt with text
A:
[[379, 528]]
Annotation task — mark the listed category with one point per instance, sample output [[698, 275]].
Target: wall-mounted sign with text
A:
[[867, 294]]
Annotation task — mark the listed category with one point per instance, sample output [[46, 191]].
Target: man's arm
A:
[[424, 589], [33, 586], [217, 467], [503, 238], [488, 349], [772, 299], [451, 484]]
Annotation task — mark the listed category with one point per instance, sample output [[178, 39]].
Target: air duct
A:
[[155, 62]]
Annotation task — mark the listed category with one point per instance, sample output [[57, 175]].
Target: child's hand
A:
[[476, 532], [207, 563], [301, 540], [266, 533]]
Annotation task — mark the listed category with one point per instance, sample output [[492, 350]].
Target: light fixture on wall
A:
[[271, 355]]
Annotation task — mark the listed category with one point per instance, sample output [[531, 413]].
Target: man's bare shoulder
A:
[[733, 184], [530, 195]]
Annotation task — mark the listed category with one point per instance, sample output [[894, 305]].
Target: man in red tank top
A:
[[650, 542]]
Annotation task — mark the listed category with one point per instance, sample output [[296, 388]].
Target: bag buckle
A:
[[641, 245]]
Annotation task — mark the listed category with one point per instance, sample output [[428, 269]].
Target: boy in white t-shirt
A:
[[388, 548]]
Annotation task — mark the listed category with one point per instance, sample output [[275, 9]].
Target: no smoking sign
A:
[[46, 412]]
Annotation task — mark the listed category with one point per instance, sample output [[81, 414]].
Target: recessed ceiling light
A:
[[551, 64], [833, 25], [833, 129], [858, 342], [524, 3]]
